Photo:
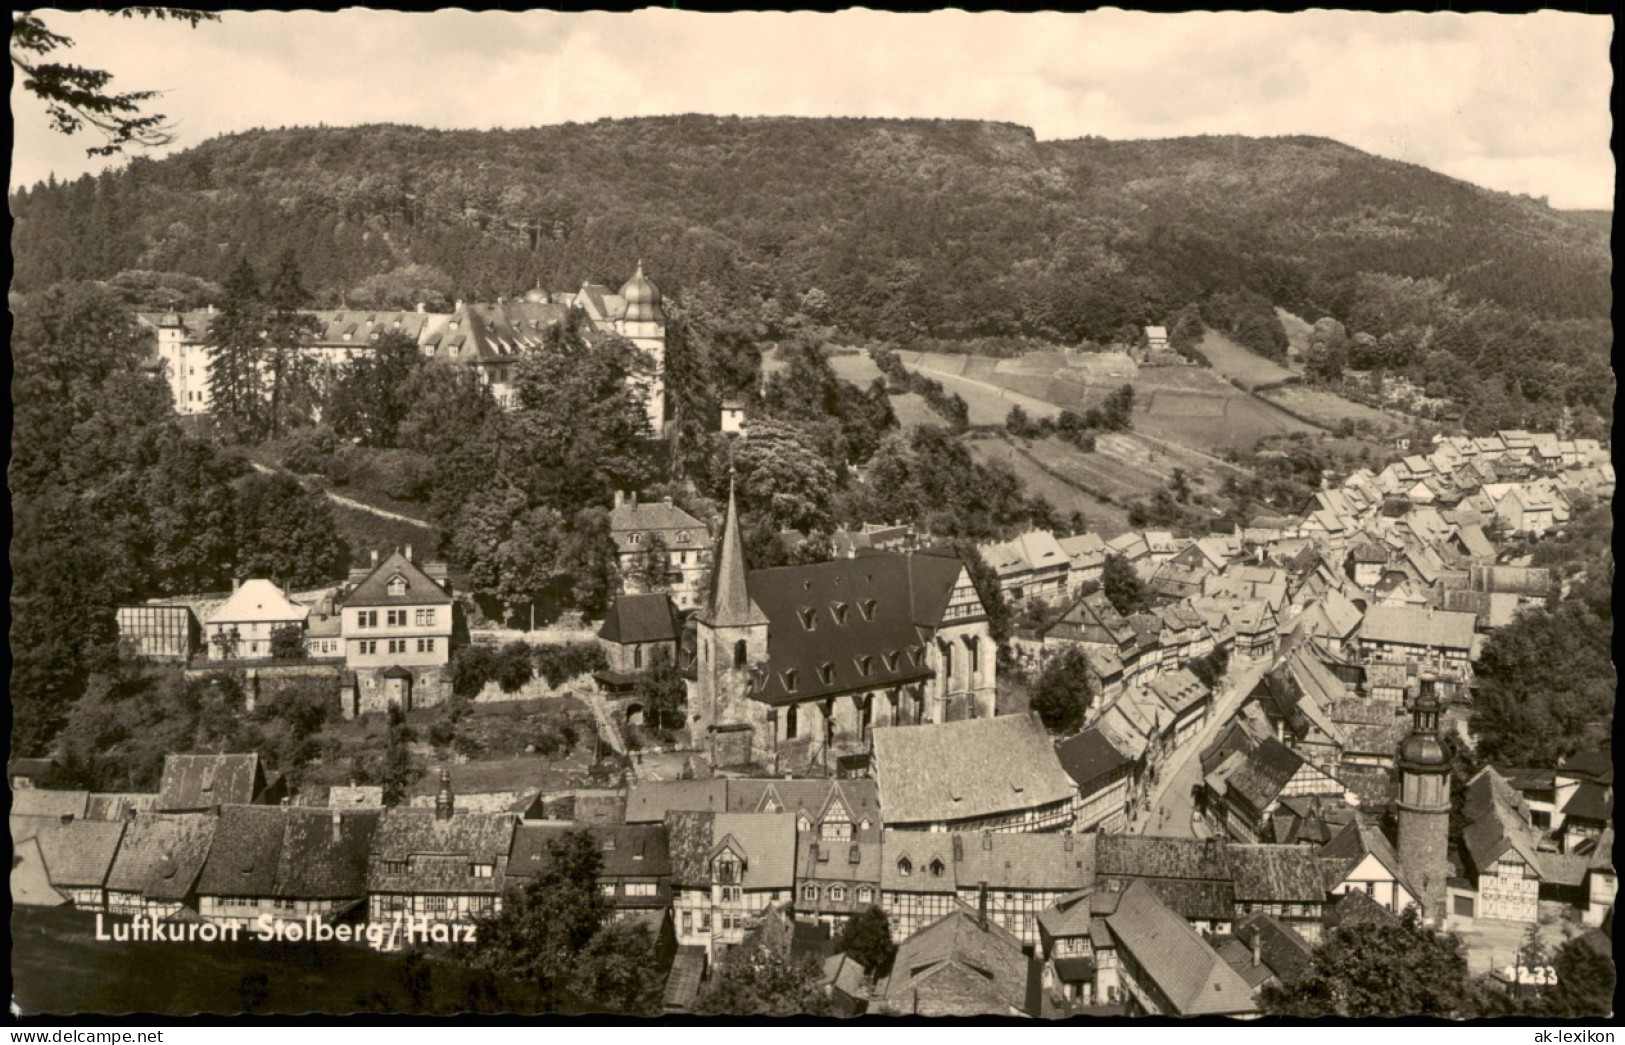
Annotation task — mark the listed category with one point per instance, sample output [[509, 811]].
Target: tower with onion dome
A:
[[643, 322], [1424, 805]]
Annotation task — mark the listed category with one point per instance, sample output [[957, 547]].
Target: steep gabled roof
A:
[[258, 601], [1089, 757], [194, 782], [641, 618], [968, 769], [960, 956], [1186, 971], [78, 853], [160, 855], [1497, 822], [421, 589], [246, 852]]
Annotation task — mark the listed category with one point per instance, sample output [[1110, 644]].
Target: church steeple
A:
[[731, 604]]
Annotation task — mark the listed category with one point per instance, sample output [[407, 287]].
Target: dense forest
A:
[[899, 230]]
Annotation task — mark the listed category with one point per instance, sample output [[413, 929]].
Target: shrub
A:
[[515, 666], [471, 668], [406, 476]]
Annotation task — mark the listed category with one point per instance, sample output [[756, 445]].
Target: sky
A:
[[1517, 103]]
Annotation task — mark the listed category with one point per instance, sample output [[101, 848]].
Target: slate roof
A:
[[627, 850], [992, 958], [439, 853], [641, 618], [859, 796], [258, 601], [1281, 948], [828, 861], [1046, 861], [1264, 771], [193, 782], [769, 844], [1180, 690], [920, 849], [858, 608], [113, 806], [160, 855], [668, 520], [683, 982], [1497, 821], [1276, 874], [316, 863], [1086, 550], [1356, 908], [1596, 765], [421, 589], [1068, 916], [1590, 801], [246, 851], [37, 801], [960, 770], [77, 854], [648, 801], [1151, 856], [1189, 973], [1412, 626], [1089, 757], [767, 841], [1239, 957]]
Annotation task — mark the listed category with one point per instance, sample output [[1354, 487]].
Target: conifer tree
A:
[[236, 387]]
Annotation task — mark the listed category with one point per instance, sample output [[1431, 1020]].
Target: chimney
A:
[[812, 851], [422, 308], [286, 802], [408, 553], [666, 501], [459, 306], [444, 803], [1257, 957], [236, 582], [981, 905], [632, 498], [211, 308], [338, 827], [375, 558]]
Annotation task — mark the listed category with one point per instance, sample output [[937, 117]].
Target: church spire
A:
[[731, 604]]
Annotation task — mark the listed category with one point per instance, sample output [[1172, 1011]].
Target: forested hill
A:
[[910, 228]]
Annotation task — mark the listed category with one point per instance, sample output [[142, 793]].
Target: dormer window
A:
[[682, 536], [937, 868], [482, 870], [838, 611], [809, 618], [790, 683], [397, 585], [904, 867], [890, 658], [636, 538], [867, 608], [837, 893], [826, 673], [609, 845], [866, 665]]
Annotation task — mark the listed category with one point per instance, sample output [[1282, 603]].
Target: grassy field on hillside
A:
[[1326, 408], [1231, 361], [1108, 520]]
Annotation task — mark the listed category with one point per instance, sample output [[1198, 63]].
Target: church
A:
[[795, 666]]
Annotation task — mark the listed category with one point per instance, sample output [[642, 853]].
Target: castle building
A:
[[799, 664], [1424, 805], [489, 337]]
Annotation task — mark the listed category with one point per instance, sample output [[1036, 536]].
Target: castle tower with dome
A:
[[1424, 805], [644, 324]]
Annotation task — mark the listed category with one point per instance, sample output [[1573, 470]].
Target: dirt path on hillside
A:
[[347, 502]]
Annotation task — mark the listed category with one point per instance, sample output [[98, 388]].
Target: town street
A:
[[1172, 809]]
